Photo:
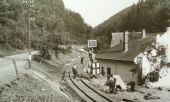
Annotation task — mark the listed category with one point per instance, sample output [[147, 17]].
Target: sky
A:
[[95, 12]]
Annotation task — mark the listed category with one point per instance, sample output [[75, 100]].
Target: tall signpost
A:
[[92, 44], [95, 68]]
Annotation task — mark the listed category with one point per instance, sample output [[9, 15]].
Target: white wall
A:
[[116, 37], [168, 40], [122, 69], [164, 39], [146, 68], [161, 39]]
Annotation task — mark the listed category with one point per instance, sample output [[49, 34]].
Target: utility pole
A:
[[29, 41], [29, 10]]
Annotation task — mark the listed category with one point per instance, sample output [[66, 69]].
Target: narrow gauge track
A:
[[92, 94]]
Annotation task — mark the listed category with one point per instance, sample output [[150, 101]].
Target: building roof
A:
[[135, 47]]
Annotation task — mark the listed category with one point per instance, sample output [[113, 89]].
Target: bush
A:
[[154, 76], [37, 58]]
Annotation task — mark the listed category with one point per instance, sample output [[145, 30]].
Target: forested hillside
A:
[[152, 15], [51, 24]]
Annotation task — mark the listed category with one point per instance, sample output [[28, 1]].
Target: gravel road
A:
[[7, 69]]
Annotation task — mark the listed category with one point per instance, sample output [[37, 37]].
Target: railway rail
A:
[[89, 92]]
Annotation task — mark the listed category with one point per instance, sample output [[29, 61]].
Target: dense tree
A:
[[152, 15], [53, 26]]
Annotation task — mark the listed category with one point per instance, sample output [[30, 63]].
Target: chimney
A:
[[126, 41], [143, 33], [112, 40], [167, 29], [168, 41]]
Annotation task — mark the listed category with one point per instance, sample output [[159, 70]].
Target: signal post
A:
[[94, 65]]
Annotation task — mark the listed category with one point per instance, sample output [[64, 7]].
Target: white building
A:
[[123, 58]]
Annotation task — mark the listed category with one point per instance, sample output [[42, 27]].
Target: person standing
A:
[[90, 56], [112, 82], [74, 70], [82, 58]]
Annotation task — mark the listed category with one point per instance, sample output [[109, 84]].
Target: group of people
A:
[[76, 74], [86, 69], [111, 81], [74, 69]]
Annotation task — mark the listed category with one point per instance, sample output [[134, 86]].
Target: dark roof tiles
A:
[[135, 47]]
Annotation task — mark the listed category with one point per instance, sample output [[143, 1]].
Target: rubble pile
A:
[[28, 89]]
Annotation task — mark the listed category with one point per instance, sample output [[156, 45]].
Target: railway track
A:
[[89, 92]]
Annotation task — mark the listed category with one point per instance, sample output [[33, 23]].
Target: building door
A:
[[102, 71], [108, 73], [139, 64]]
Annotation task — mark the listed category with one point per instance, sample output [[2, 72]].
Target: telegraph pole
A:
[[30, 5], [29, 41]]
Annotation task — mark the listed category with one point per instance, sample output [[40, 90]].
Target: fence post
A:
[[16, 70]]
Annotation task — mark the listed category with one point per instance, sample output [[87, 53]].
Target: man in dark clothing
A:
[[112, 83], [82, 58], [132, 84], [90, 56], [74, 70]]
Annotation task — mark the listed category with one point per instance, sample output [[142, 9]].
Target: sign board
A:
[[92, 43]]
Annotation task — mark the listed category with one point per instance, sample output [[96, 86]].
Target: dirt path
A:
[[41, 80], [7, 71]]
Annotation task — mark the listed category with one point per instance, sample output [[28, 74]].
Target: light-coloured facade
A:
[[118, 68], [124, 68], [165, 40], [161, 39]]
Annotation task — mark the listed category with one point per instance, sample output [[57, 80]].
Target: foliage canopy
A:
[[53, 26], [152, 15]]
